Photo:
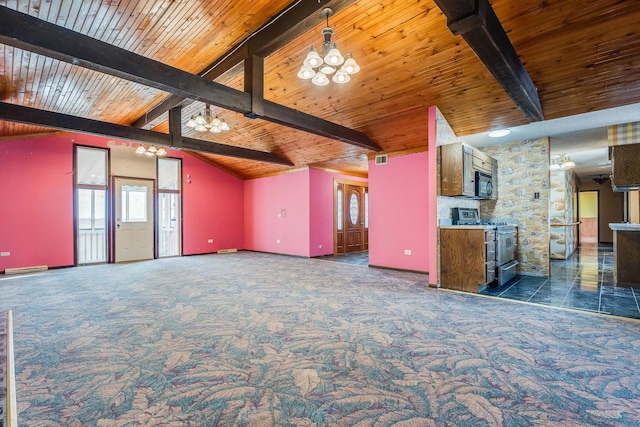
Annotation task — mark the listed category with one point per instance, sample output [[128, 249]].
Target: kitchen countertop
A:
[[470, 227], [623, 226], [626, 252]]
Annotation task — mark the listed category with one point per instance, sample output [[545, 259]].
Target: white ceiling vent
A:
[[381, 159]]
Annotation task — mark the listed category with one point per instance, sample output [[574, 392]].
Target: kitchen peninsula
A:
[[626, 253]]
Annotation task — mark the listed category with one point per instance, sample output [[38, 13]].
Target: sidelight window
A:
[[91, 204], [169, 207]]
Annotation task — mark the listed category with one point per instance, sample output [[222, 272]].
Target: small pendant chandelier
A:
[[563, 162], [319, 68], [206, 122], [151, 151]]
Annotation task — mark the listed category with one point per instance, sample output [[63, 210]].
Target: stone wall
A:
[[523, 171], [562, 194]]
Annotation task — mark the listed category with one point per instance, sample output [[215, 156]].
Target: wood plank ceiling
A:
[[582, 56]]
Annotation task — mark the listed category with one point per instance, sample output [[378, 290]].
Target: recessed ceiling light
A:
[[499, 132]]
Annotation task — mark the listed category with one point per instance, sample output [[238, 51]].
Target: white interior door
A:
[[134, 219]]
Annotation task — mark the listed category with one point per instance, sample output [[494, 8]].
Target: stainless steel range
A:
[[504, 244], [505, 253]]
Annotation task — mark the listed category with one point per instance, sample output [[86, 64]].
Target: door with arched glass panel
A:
[[352, 218], [355, 219]]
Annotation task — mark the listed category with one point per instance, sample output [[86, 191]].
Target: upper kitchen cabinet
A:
[[625, 167], [467, 172]]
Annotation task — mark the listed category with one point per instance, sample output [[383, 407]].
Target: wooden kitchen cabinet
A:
[[456, 170], [625, 167], [467, 257], [459, 163]]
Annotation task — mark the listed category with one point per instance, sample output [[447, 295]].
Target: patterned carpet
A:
[[252, 339]]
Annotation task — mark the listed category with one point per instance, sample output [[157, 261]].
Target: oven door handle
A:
[[509, 265]]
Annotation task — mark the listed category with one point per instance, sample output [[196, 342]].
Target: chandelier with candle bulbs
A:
[[318, 68], [206, 122]]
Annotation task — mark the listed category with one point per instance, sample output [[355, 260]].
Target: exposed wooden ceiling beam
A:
[[228, 66], [26, 32], [478, 24], [276, 113], [294, 21], [33, 116]]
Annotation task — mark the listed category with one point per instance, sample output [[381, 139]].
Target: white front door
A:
[[134, 219]]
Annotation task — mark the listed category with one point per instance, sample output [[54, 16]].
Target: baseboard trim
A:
[[25, 270], [399, 269], [227, 251]]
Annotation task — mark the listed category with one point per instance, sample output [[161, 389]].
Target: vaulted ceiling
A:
[[581, 57]]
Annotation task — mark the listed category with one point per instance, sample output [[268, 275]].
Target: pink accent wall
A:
[[213, 208], [399, 204], [36, 202], [277, 209]]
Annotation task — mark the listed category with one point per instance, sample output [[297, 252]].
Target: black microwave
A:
[[484, 185]]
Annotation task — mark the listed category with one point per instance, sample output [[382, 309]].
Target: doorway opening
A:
[[588, 217]]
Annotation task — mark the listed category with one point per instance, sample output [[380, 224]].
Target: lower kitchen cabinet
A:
[[467, 257]]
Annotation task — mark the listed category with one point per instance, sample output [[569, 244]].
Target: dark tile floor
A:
[[582, 282]]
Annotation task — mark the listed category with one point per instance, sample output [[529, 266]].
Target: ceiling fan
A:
[[601, 180]]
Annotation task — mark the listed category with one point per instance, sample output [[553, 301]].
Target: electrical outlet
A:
[[407, 251], [5, 253]]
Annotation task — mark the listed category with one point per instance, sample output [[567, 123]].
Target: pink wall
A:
[[321, 210], [398, 213], [37, 174], [213, 208], [36, 202], [276, 217]]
